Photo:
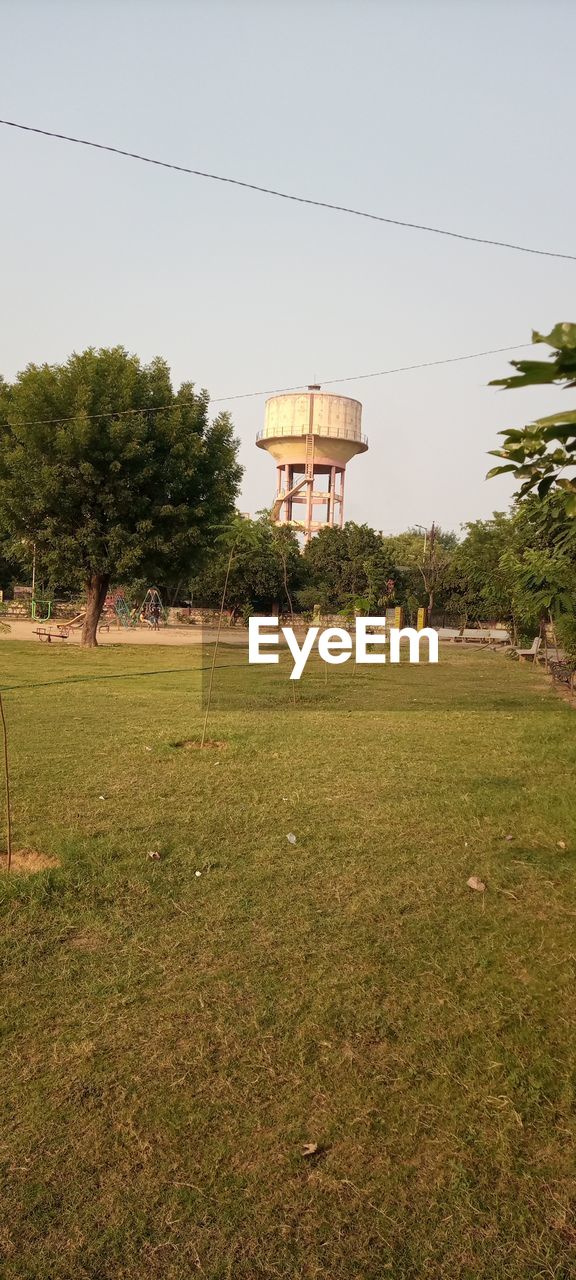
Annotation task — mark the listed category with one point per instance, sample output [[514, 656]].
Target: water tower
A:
[[311, 436]]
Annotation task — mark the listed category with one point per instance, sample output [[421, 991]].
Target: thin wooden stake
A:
[[211, 678], [290, 606], [7, 783]]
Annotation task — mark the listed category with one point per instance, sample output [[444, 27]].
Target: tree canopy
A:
[[540, 454], [260, 564], [346, 564], [110, 472]]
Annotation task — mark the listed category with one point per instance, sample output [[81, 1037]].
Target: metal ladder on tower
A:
[[309, 458], [309, 472]]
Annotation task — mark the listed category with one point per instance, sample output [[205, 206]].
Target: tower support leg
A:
[[279, 490], [309, 491], [332, 496]]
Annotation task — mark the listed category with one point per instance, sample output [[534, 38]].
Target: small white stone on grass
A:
[[154, 854], [475, 883], [291, 837], [197, 873]]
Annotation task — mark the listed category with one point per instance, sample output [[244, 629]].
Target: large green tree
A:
[[543, 563], [422, 562], [542, 455], [477, 587], [518, 568], [110, 472], [346, 564]]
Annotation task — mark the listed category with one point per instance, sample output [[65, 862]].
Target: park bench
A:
[[562, 669], [531, 654], [481, 635], [46, 636]]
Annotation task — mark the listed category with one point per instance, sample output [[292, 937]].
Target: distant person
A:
[[155, 615]]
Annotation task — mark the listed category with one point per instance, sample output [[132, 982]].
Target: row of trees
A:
[[516, 568], [112, 476]]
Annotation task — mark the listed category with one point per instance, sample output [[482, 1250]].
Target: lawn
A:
[[172, 1041]]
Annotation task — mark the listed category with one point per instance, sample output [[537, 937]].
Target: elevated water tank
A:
[[311, 435]]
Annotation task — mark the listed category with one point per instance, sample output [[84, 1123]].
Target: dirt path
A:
[[24, 630]]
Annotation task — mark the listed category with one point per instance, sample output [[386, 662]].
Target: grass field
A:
[[172, 1041]]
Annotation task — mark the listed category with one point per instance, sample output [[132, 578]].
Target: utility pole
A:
[[425, 532], [431, 560]]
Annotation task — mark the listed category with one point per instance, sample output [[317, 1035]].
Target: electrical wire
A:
[[379, 373], [285, 195], [302, 386]]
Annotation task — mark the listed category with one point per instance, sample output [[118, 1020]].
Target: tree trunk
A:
[[96, 590]]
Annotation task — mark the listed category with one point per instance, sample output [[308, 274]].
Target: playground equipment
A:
[[45, 635], [151, 611], [123, 613], [40, 604], [76, 621]]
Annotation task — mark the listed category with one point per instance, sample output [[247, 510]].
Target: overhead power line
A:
[[285, 195], [275, 391], [380, 373]]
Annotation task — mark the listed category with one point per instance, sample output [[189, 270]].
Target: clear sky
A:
[[447, 112]]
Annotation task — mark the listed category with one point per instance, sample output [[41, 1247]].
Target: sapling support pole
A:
[[7, 788], [211, 676], [290, 605]]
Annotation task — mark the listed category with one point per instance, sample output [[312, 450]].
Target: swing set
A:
[[151, 611]]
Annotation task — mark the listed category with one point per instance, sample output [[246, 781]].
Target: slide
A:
[[76, 621]]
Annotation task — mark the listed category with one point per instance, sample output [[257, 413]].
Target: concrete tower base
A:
[[310, 502]]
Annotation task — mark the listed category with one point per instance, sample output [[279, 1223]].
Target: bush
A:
[[566, 632]]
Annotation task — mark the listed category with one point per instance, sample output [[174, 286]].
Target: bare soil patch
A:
[[27, 861]]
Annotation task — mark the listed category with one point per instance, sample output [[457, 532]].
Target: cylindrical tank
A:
[[311, 435]]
